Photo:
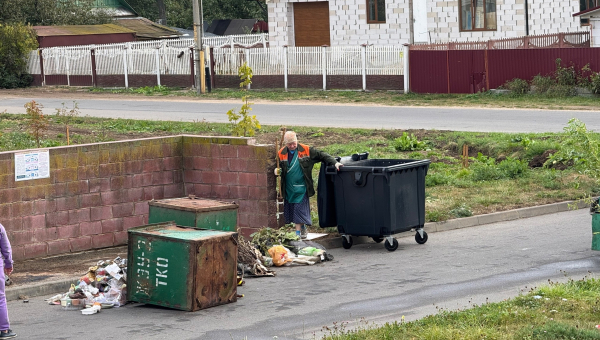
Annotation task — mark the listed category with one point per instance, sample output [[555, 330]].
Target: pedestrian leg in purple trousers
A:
[[4, 323]]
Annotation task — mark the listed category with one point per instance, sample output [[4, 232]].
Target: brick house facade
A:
[[351, 22]]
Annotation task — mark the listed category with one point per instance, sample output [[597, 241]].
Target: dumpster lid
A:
[[383, 165], [194, 204], [171, 230]]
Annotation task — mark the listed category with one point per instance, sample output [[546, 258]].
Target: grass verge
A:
[[552, 312], [505, 171]]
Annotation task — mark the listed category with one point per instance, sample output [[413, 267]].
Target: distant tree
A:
[[17, 41], [179, 12], [52, 12]]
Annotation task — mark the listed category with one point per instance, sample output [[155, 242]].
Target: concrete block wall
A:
[[233, 169], [97, 191], [348, 22], [349, 25]]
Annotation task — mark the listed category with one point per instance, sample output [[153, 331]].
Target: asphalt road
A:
[[454, 269], [322, 115]]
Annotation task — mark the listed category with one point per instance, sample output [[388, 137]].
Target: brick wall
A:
[[97, 191], [233, 169]]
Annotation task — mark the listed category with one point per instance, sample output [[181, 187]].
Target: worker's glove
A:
[[338, 165], [277, 171]]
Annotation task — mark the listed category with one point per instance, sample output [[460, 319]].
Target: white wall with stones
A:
[[348, 21]]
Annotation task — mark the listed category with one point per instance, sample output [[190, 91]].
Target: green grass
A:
[[498, 177], [552, 312], [394, 98]]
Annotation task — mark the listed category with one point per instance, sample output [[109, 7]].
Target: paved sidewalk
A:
[[53, 286]]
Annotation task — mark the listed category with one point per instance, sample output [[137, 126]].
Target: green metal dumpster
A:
[[195, 212], [595, 231], [181, 267]]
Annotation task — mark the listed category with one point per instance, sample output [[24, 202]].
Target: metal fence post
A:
[[406, 68], [67, 66], [192, 74], [94, 75], [247, 53], [125, 65], [157, 67], [363, 54], [285, 67], [324, 66], [43, 76]]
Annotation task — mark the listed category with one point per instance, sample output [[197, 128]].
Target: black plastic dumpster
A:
[[379, 198]]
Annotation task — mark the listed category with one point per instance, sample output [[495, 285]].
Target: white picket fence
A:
[[172, 57]]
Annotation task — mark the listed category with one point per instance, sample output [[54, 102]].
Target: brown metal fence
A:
[[558, 40], [460, 71], [470, 67]]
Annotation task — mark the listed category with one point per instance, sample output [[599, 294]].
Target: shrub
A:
[[242, 123], [565, 76], [17, 41], [408, 143], [37, 123], [561, 91], [517, 86], [542, 83], [512, 168], [595, 83]]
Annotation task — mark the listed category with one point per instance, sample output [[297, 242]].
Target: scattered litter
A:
[[537, 297], [251, 263], [25, 301], [564, 299], [102, 287]]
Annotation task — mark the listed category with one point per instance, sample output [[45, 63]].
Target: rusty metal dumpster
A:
[[181, 267], [195, 212]]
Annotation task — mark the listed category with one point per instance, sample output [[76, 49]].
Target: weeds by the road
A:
[[555, 311], [394, 98], [505, 170]]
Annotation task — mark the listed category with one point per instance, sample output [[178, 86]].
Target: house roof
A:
[[47, 31], [148, 30], [588, 12]]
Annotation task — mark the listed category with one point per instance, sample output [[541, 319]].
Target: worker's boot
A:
[[303, 232]]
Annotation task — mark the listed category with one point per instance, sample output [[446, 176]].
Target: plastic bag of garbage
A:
[[280, 255]]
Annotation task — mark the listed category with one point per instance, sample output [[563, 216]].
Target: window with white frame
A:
[[375, 11], [478, 15], [585, 5]]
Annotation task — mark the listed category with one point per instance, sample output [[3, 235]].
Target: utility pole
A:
[[199, 50]]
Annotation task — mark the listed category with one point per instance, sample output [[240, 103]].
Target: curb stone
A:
[[54, 287]]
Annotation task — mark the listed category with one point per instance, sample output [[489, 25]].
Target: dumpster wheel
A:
[[391, 247], [421, 239], [377, 239], [346, 241]]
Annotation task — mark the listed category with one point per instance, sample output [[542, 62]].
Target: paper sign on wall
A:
[[32, 164]]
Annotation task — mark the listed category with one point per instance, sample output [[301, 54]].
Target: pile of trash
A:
[[254, 263], [103, 286], [298, 253]]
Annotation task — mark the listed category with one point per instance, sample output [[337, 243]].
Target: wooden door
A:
[[311, 23]]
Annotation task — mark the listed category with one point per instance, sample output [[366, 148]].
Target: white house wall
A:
[[545, 17], [348, 21]]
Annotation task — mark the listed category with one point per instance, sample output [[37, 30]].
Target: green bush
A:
[[517, 86], [512, 168], [595, 83], [561, 91], [408, 143], [542, 83], [16, 42], [565, 76]]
